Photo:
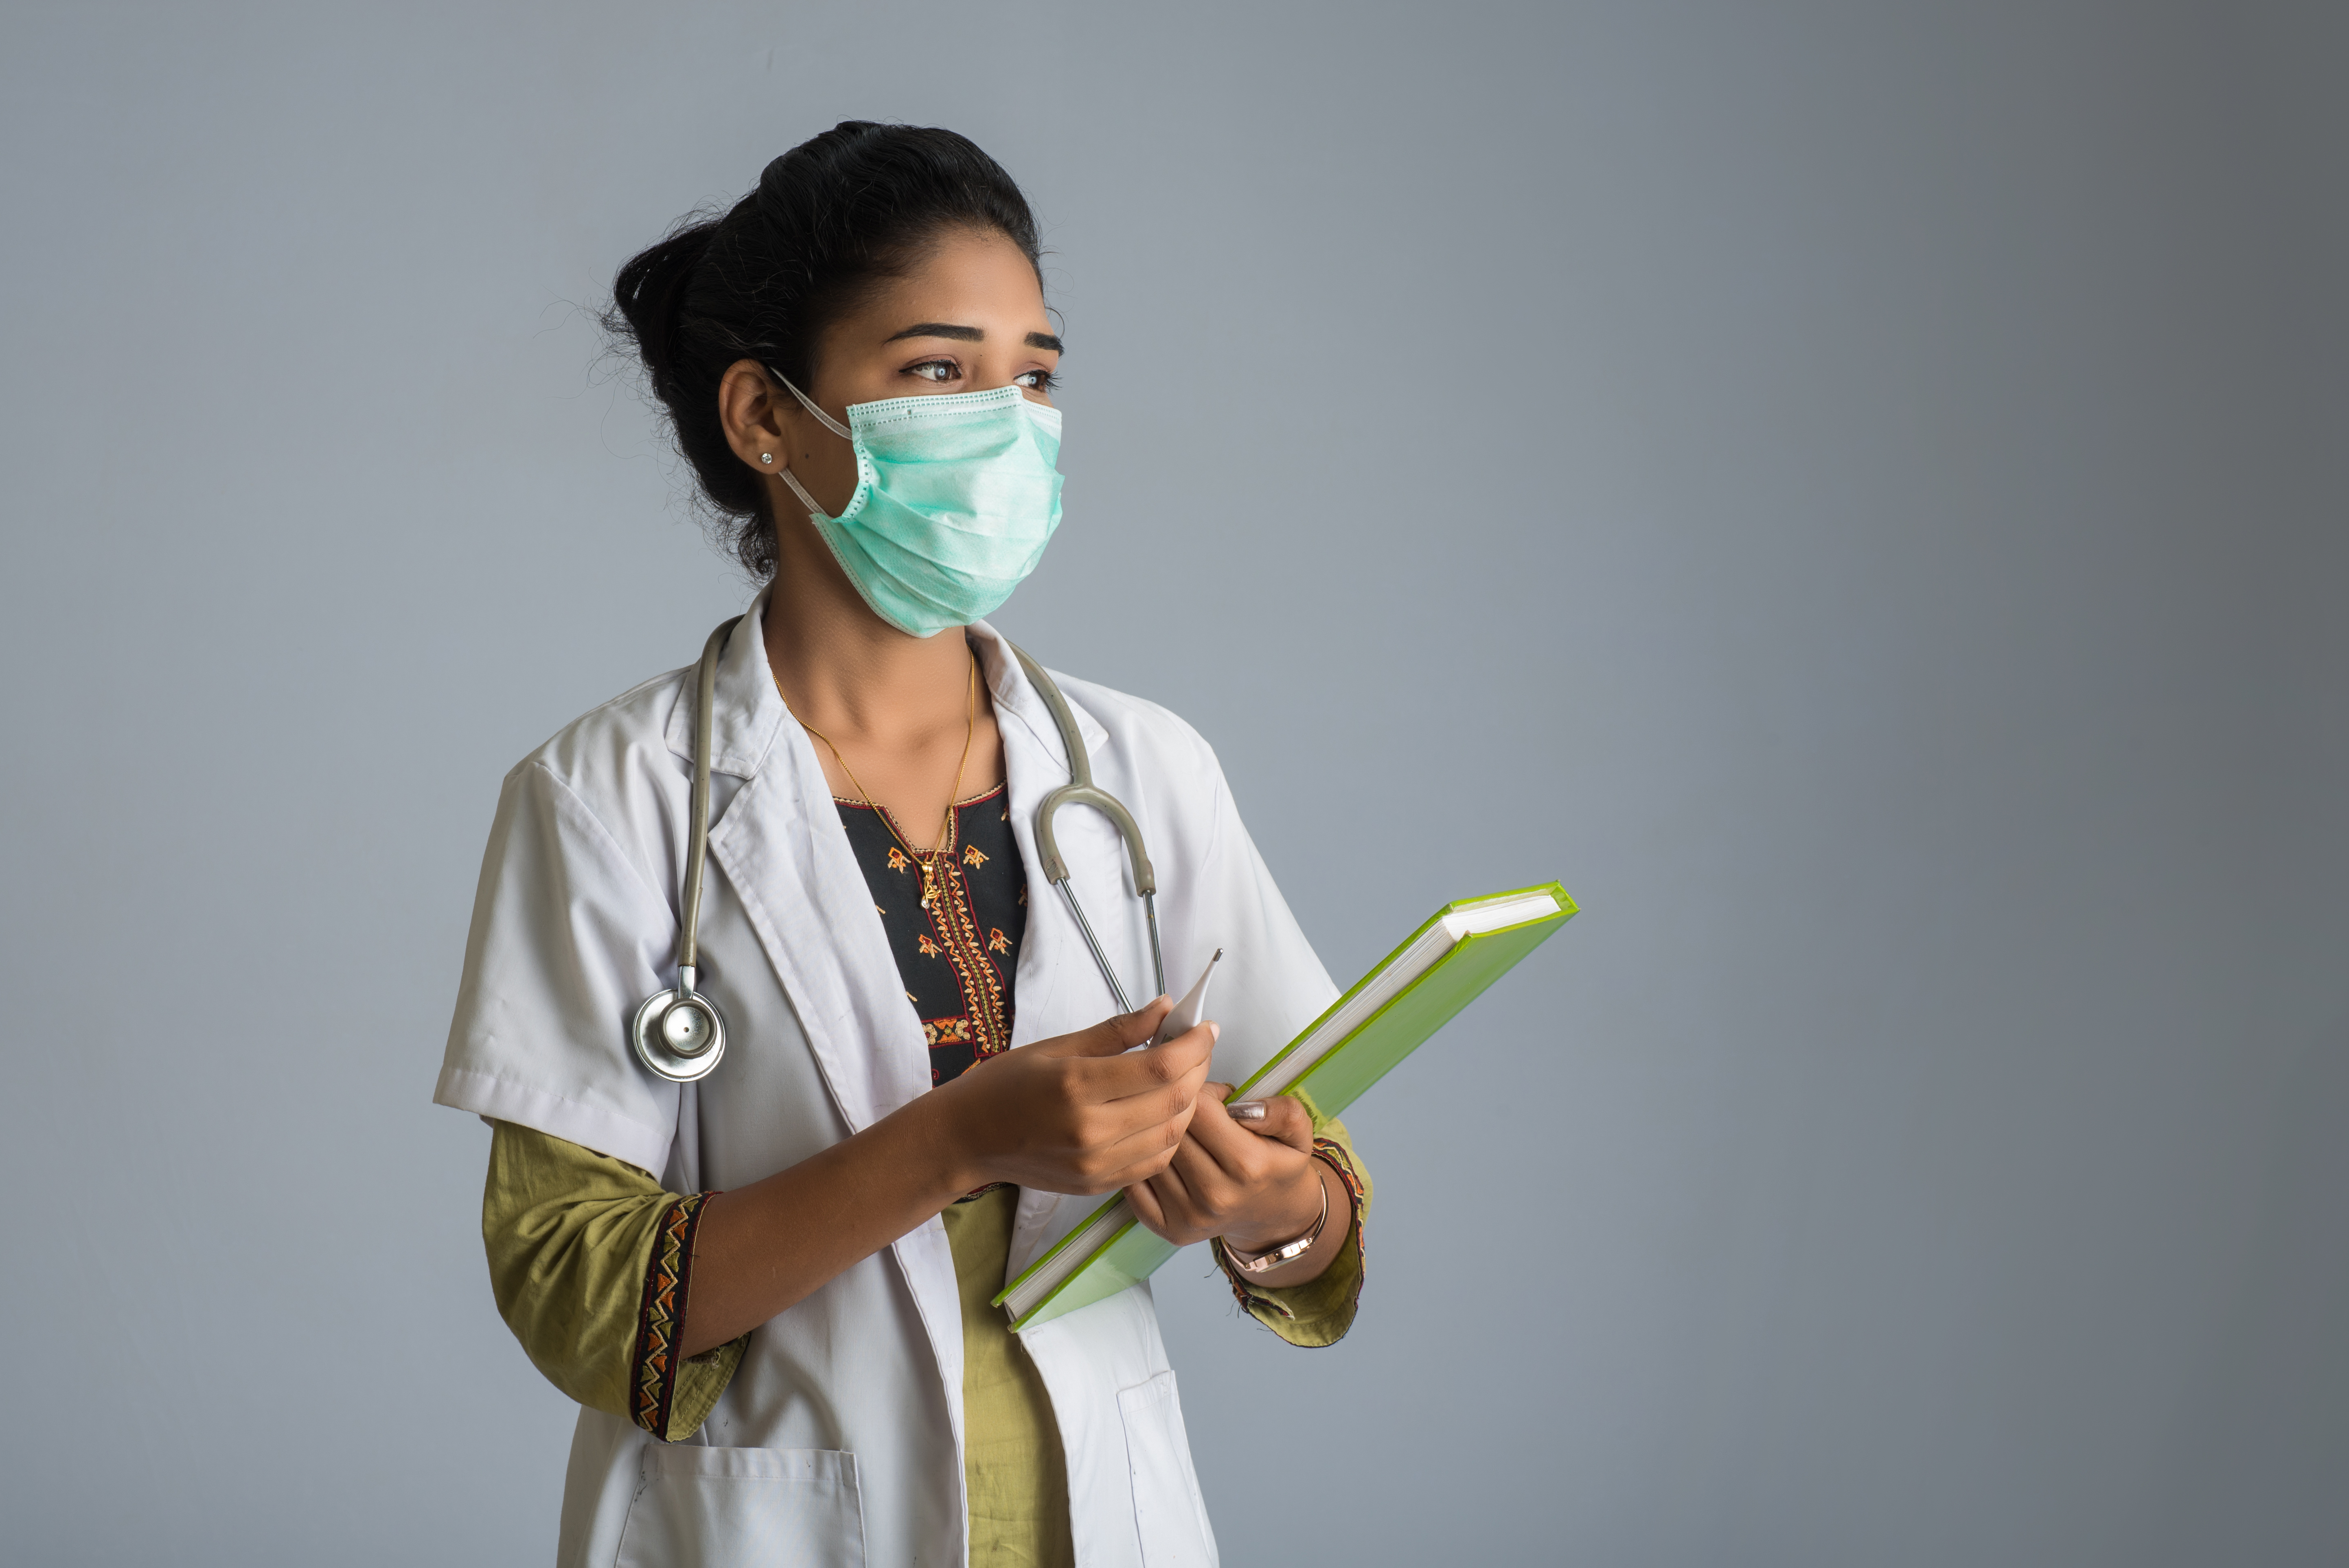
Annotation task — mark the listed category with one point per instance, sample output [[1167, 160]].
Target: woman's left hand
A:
[[1256, 1183]]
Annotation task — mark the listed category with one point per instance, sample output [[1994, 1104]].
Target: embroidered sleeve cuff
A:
[[670, 1395], [1318, 1312]]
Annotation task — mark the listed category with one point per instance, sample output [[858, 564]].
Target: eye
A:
[[939, 370], [1037, 380]]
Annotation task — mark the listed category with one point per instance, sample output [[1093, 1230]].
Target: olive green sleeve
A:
[[591, 1262], [1318, 1312]]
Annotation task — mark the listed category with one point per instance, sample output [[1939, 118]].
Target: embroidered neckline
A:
[[884, 811], [956, 935]]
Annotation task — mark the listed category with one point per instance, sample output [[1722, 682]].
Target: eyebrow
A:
[[968, 335]]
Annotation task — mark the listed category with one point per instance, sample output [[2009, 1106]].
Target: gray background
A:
[[1857, 492]]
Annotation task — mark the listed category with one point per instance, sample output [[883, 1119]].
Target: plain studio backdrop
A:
[[1855, 493]]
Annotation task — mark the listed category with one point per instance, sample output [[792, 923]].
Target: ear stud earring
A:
[[766, 456]]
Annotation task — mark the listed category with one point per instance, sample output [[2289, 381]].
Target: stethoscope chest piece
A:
[[679, 1034]]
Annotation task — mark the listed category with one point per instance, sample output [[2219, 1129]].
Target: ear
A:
[[761, 419]]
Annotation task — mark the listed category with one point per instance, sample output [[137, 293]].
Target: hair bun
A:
[[650, 294]]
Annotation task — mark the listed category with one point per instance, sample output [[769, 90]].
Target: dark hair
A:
[[830, 219]]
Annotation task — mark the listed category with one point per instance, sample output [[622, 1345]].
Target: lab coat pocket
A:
[[777, 1507], [1167, 1512]]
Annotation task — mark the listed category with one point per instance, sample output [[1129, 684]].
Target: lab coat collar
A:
[[1016, 698], [747, 711]]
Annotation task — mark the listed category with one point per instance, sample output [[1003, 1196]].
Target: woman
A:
[[782, 1342]]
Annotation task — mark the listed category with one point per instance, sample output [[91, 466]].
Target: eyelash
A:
[[1044, 380]]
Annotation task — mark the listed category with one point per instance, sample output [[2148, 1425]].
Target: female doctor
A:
[[768, 1287]]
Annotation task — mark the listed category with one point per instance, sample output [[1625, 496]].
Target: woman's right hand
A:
[[1082, 1113]]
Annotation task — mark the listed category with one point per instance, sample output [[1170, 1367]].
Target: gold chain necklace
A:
[[946, 829]]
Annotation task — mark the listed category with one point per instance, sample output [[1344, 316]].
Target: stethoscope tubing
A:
[[1079, 790], [696, 844]]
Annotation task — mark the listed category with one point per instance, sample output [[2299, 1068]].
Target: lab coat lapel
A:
[[787, 859], [783, 852], [1034, 764], [1057, 988]]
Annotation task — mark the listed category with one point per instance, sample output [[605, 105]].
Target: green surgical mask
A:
[[956, 496]]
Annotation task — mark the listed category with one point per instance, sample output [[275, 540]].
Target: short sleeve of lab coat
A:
[[567, 933]]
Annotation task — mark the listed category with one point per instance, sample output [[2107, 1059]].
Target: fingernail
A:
[[1245, 1110], [1215, 1030]]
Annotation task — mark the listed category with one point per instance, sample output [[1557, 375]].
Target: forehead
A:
[[965, 276]]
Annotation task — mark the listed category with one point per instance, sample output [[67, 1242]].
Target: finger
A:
[[1176, 1196], [1237, 1152], [1209, 1182], [1221, 1195], [1182, 1060], [1125, 1167], [1133, 1176], [1142, 1144], [1146, 1207], [1169, 1220], [1280, 1119], [1119, 1156], [1114, 1036], [1194, 1046], [1147, 1085], [1188, 1209]]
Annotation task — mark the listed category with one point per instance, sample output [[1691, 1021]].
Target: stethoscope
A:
[[680, 1034]]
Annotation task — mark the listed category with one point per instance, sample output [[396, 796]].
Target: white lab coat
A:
[[839, 1440]]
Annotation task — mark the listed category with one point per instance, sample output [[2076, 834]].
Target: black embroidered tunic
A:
[[957, 956]]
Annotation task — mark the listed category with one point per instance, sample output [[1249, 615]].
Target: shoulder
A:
[[614, 759], [613, 737], [1141, 731], [1157, 765]]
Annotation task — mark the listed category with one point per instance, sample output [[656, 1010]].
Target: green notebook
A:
[[1391, 1011]]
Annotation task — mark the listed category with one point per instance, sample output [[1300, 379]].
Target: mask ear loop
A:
[[815, 512]]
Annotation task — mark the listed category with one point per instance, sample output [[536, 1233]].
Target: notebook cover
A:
[[1134, 1251]]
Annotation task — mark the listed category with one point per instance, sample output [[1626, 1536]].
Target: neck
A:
[[844, 670]]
